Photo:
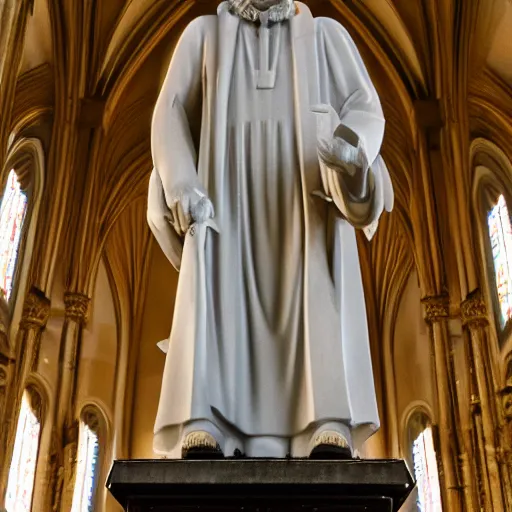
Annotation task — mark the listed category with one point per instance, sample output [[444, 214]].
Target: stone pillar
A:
[[65, 432], [505, 458], [475, 320], [6, 363], [437, 312], [36, 312]]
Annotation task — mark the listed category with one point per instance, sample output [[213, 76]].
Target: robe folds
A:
[[211, 371]]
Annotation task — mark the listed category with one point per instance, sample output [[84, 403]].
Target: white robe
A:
[[269, 332]]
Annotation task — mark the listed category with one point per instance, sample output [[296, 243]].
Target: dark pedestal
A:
[[258, 485]]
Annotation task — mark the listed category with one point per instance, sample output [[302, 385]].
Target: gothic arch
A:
[[491, 177], [94, 415], [416, 408], [26, 157]]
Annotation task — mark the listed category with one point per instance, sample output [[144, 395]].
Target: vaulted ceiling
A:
[[98, 65]]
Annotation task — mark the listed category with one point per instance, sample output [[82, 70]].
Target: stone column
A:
[[505, 458], [437, 312], [6, 363], [36, 312], [475, 320], [65, 432]]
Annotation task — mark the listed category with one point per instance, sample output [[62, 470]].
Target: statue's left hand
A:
[[341, 152], [338, 146]]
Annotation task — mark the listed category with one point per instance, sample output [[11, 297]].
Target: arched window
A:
[[88, 466], [491, 201], [22, 471], [13, 209], [424, 463], [500, 234]]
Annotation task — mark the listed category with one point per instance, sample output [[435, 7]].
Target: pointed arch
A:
[[26, 158], [92, 459], [491, 188]]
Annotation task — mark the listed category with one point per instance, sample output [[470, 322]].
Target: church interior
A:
[[86, 292]]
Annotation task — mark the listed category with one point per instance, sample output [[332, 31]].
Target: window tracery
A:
[[20, 485], [13, 209], [87, 465], [500, 234]]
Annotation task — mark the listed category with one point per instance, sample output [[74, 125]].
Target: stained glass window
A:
[[12, 213], [500, 232], [425, 472], [87, 471], [24, 459]]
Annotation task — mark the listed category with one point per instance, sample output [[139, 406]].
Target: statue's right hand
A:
[[189, 204]]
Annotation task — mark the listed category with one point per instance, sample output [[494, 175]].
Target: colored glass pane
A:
[[426, 474], [500, 233], [23, 463], [87, 468], [12, 213]]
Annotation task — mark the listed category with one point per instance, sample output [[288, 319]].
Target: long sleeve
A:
[[175, 137], [177, 116], [346, 86]]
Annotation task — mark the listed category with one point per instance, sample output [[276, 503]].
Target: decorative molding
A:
[[35, 401], [76, 307], [474, 311], [36, 310], [506, 402], [91, 419], [71, 433], [437, 308], [3, 378]]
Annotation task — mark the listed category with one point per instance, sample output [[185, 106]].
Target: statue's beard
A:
[[276, 10], [263, 5]]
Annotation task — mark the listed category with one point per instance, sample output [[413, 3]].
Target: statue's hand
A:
[[341, 154], [189, 204], [338, 146]]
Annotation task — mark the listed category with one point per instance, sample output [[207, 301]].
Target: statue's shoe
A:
[[200, 445], [331, 445]]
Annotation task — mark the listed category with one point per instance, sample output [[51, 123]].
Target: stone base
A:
[[254, 485]]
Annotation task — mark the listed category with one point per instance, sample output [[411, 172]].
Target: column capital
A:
[[436, 308], [77, 307], [36, 310], [473, 310]]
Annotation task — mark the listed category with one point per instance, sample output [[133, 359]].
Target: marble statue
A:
[[265, 141]]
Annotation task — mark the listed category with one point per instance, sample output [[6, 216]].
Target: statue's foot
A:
[[200, 445], [331, 445]]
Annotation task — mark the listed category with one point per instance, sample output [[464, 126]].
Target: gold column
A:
[[65, 432], [475, 320], [437, 312], [36, 312]]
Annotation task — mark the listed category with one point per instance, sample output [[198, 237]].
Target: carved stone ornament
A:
[[71, 431], [436, 308], [474, 311], [90, 418], [506, 402], [36, 402], [77, 307], [36, 310], [3, 377]]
